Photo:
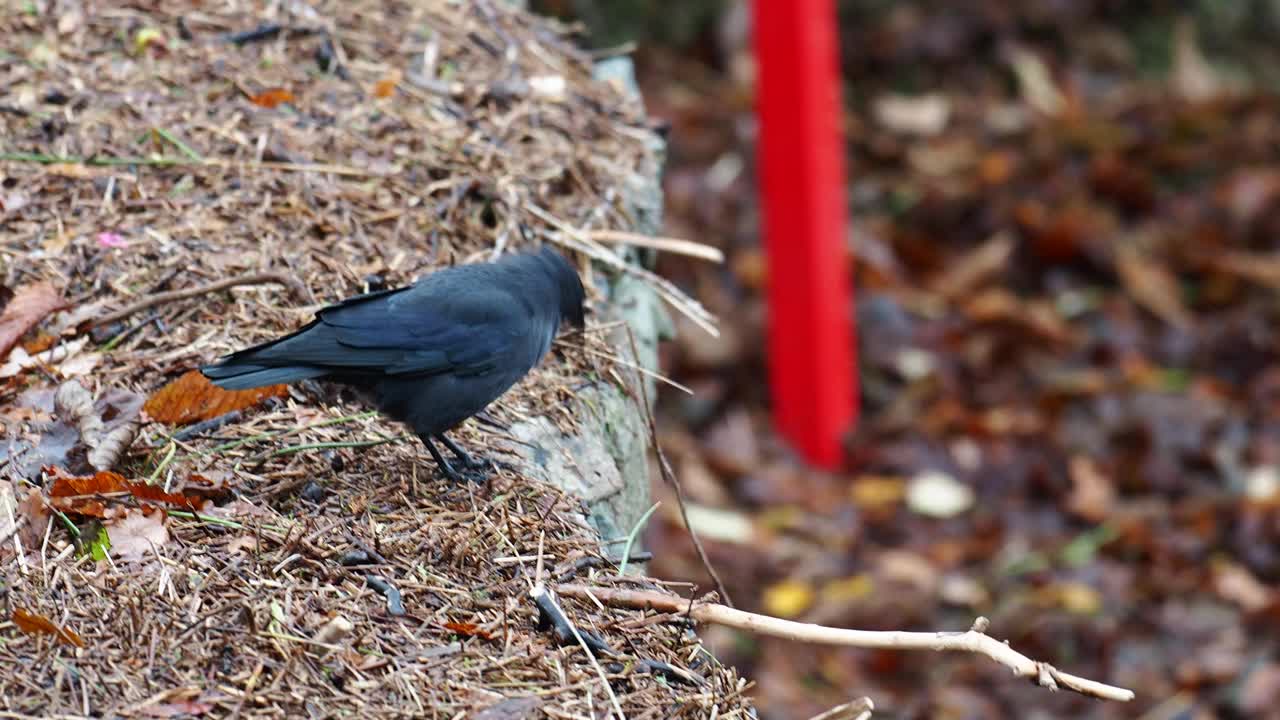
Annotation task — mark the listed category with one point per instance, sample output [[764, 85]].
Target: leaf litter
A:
[[1066, 303], [203, 569]]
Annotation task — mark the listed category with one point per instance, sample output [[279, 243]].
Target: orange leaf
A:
[[70, 493], [386, 87], [36, 624], [468, 630], [192, 397], [271, 98], [38, 344], [71, 486], [27, 307]]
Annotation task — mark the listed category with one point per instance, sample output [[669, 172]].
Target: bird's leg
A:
[[467, 460], [443, 464]]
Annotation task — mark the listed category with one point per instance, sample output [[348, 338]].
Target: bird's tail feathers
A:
[[236, 376]]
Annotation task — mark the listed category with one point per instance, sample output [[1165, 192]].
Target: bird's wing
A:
[[416, 333]]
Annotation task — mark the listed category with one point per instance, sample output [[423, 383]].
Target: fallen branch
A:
[[260, 278], [975, 640]]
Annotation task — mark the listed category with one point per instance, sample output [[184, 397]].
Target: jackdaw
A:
[[431, 354]]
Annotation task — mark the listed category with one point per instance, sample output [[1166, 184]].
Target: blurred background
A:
[[1065, 225]]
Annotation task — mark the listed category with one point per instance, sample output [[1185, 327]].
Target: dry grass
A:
[[470, 153]]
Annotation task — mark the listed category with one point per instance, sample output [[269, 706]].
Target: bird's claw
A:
[[477, 470], [468, 471]]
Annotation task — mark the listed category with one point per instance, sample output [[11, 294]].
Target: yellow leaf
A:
[[1074, 597], [788, 598], [145, 37], [848, 590], [876, 491]]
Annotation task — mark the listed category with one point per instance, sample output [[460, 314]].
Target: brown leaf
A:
[[29, 306], [1153, 286], [175, 709], [731, 446], [386, 87], [36, 624], [1234, 582], [135, 534], [1128, 186], [38, 344], [468, 630], [1260, 690], [999, 306], [1262, 268], [977, 266], [272, 97], [75, 494], [26, 508], [1092, 495], [192, 397]]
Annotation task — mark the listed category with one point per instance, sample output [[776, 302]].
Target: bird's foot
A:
[[466, 472]]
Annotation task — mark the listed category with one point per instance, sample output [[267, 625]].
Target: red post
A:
[[801, 161]]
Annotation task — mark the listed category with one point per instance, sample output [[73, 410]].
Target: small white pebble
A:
[[914, 364], [1262, 483], [939, 495]]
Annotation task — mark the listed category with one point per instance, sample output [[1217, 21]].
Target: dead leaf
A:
[[135, 534], [175, 709], [915, 115], [1153, 286], [1035, 82], [272, 98], [521, 708], [1192, 77], [33, 623], [386, 87], [998, 305], [106, 426], [789, 598], [731, 446], [1260, 690], [81, 364], [22, 506], [875, 492], [976, 266], [1262, 268], [245, 544], [20, 360], [41, 342], [192, 397], [27, 308], [1092, 495], [1234, 582], [69, 493], [468, 630], [1073, 596], [77, 171]]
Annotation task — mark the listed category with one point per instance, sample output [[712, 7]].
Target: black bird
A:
[[431, 354]]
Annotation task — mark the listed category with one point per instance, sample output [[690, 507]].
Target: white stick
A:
[[975, 640]]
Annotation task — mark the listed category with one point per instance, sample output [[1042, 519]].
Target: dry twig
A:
[[665, 244], [669, 476], [258, 278], [859, 709], [975, 640]]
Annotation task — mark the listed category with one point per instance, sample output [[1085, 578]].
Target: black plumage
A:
[[431, 354]]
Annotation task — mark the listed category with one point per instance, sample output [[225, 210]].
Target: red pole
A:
[[801, 161]]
